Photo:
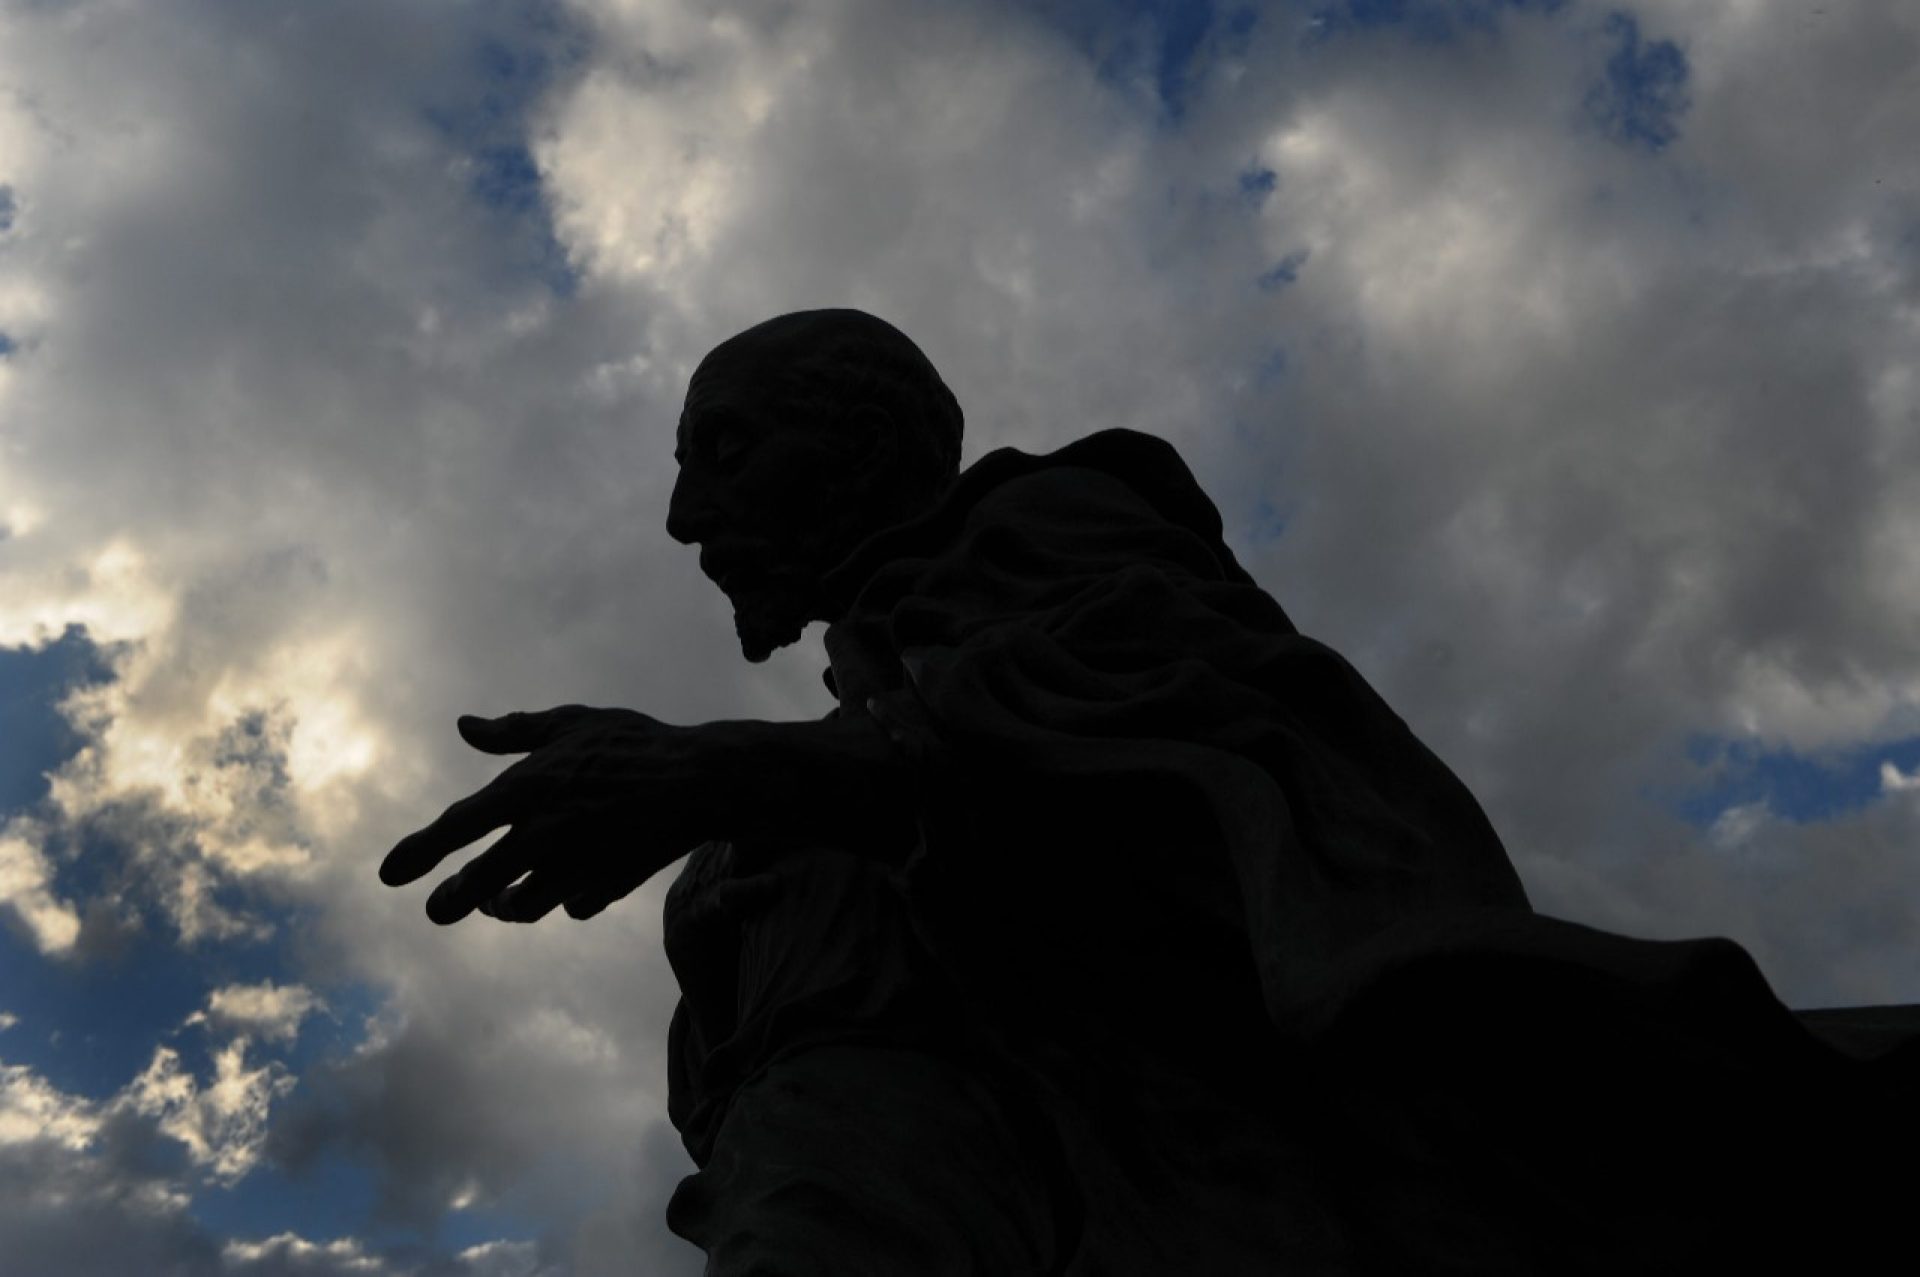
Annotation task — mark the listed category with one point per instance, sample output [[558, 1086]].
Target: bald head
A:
[[814, 365], [800, 438]]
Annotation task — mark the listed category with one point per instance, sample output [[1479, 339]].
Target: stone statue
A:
[[1108, 925]]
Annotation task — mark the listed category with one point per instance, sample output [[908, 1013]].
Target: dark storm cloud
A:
[[67, 1212]]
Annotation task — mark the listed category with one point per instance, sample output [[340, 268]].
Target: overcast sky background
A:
[[1557, 362]]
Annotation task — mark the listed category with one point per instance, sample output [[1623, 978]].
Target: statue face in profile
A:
[[768, 500], [799, 438]]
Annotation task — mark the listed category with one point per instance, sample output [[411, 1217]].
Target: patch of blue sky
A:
[[1642, 93], [1803, 788], [1637, 99], [34, 738], [90, 1021], [91, 1025], [1257, 185], [488, 122], [1170, 46], [1268, 524], [1283, 272], [9, 207], [1167, 45], [332, 1195], [6, 344], [1425, 21], [506, 178]]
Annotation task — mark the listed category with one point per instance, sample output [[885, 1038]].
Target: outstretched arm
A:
[[606, 798]]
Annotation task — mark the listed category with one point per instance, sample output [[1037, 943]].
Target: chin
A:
[[763, 629]]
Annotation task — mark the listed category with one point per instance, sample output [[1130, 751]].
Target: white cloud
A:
[[270, 1011], [1893, 780], [1736, 826], [223, 1124], [104, 588], [504, 1259], [288, 1254], [32, 1109], [26, 889], [291, 1253]]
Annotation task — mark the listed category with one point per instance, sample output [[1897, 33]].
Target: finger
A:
[[487, 874], [470, 819], [625, 880], [520, 732], [533, 897], [588, 903]]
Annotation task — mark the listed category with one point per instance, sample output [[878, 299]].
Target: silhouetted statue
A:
[[1108, 925]]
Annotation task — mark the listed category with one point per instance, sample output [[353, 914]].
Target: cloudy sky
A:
[[1558, 362]]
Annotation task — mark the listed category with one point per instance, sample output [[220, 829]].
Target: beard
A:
[[768, 617], [773, 602]]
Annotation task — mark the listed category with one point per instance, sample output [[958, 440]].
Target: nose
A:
[[689, 511]]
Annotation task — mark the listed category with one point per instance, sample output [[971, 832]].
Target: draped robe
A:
[[1199, 961]]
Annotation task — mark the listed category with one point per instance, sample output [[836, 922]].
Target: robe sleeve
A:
[[1080, 663]]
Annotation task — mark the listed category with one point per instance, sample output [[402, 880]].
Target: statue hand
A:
[[605, 799]]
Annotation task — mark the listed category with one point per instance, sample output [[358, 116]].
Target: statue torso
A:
[[779, 947]]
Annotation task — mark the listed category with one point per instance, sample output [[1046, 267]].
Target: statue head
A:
[[800, 438]]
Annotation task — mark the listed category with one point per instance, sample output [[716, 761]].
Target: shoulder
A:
[[1120, 479], [1104, 468], [1142, 461], [1110, 483], [1059, 489]]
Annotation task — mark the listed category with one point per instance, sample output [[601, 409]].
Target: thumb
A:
[[477, 731], [516, 733]]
